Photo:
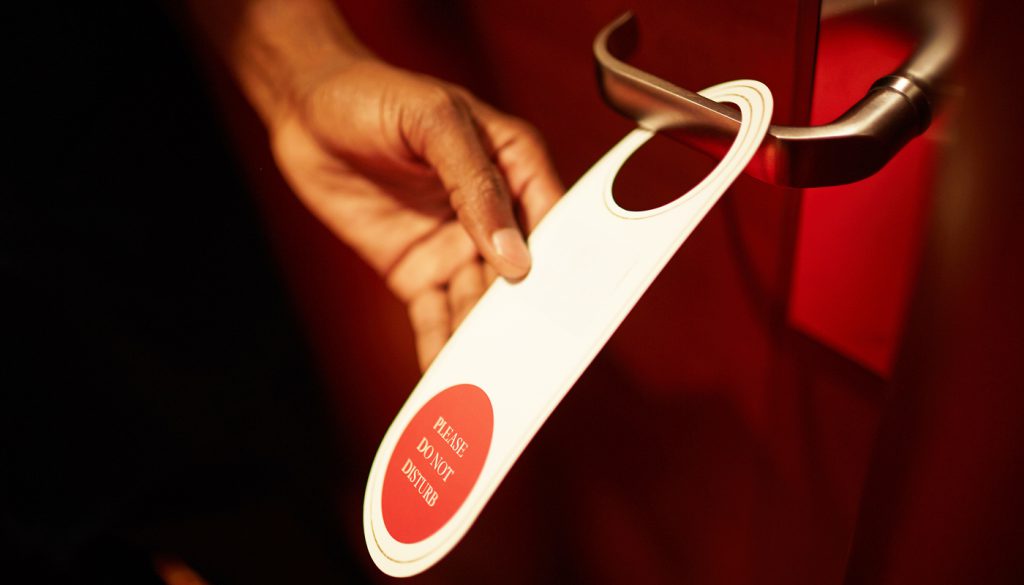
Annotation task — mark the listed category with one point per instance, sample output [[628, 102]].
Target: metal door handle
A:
[[896, 108]]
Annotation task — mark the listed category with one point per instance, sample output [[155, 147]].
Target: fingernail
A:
[[509, 244]]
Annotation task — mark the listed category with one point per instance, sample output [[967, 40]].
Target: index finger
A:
[[521, 155]]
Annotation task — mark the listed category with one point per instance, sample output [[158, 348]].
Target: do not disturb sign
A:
[[436, 462], [526, 343]]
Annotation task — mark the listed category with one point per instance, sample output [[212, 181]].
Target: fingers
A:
[[431, 324], [486, 161], [464, 290], [489, 274], [431, 262], [437, 312], [522, 157], [444, 133], [531, 176]]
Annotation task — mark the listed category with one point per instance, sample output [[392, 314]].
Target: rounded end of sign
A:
[[421, 480]]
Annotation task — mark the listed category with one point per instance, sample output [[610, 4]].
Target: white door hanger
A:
[[524, 345]]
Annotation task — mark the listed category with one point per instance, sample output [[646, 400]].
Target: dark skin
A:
[[418, 176]]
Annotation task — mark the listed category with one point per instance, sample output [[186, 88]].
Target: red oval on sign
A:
[[436, 462]]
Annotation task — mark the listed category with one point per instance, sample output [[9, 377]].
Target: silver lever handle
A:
[[896, 108]]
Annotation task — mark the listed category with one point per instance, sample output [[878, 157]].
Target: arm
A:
[[417, 175]]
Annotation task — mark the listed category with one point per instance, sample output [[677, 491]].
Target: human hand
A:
[[425, 182]]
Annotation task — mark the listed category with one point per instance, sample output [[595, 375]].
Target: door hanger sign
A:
[[524, 345]]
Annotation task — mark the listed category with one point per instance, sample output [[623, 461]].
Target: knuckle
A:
[[479, 188], [486, 183], [530, 134], [441, 104], [431, 323]]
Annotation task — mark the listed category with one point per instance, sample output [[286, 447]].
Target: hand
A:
[[422, 180]]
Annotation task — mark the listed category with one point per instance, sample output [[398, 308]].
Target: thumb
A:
[[446, 137]]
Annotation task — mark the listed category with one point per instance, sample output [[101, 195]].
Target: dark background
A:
[[157, 394]]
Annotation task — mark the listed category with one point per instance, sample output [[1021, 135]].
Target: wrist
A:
[[282, 49]]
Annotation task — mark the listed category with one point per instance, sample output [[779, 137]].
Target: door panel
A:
[[709, 443]]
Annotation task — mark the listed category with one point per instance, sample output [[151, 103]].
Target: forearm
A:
[[277, 48]]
